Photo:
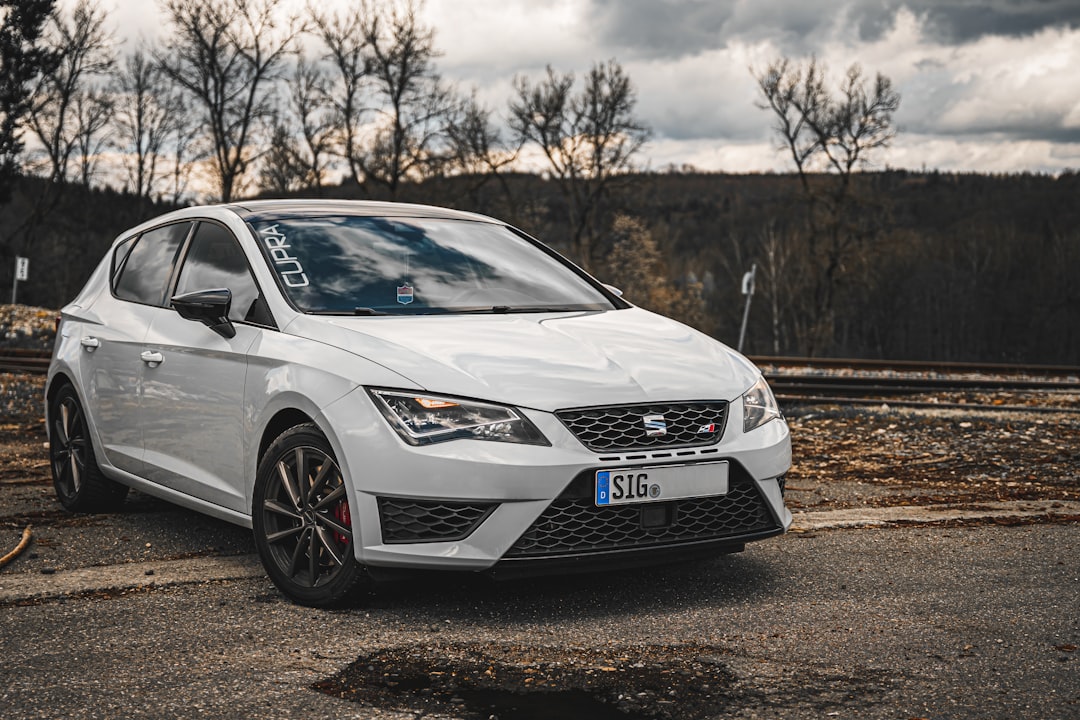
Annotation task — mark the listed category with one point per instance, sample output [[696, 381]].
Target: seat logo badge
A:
[[655, 425]]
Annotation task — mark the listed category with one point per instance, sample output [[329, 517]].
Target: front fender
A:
[[290, 374]]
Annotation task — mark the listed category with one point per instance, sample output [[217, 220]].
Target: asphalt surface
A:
[[962, 622]]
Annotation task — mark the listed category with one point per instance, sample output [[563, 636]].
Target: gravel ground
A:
[[26, 327], [21, 399], [848, 457]]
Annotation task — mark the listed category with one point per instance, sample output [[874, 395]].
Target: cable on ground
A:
[[26, 535]]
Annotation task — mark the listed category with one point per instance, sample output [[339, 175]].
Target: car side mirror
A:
[[612, 289], [210, 307]]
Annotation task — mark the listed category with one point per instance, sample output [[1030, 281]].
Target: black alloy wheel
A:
[[302, 522], [79, 483]]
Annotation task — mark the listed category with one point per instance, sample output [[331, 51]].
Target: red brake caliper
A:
[[341, 514]]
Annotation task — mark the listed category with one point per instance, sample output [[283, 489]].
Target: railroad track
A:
[[24, 361], [899, 383], [876, 379], [949, 368], [864, 385]]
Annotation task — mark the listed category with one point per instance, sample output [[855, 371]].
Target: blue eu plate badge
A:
[[603, 488]]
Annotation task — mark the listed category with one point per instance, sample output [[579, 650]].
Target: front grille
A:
[[406, 520], [572, 524], [622, 427]]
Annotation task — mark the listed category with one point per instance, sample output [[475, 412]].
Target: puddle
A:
[[532, 683]]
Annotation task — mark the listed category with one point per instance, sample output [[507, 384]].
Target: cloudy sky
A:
[[988, 86]]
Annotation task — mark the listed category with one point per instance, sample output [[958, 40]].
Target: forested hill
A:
[[933, 266]]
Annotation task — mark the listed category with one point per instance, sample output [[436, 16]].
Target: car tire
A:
[[79, 483], [301, 520]]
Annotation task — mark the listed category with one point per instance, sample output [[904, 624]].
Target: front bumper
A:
[[526, 505]]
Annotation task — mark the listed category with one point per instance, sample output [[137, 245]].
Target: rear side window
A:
[[144, 269], [215, 260]]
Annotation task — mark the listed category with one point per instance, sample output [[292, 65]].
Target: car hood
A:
[[544, 361]]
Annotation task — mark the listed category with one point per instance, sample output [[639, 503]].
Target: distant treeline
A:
[[947, 267]]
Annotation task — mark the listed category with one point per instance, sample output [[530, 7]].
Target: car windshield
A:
[[358, 265]]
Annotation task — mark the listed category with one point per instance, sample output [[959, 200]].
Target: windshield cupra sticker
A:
[[289, 268]]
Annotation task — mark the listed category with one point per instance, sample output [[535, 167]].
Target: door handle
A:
[[151, 358], [90, 343]]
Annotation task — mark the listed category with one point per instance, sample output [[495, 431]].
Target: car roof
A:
[[261, 210]]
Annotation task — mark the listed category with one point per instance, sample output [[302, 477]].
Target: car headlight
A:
[[425, 419], [759, 406]]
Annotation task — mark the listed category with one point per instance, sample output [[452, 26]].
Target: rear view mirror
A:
[[210, 307]]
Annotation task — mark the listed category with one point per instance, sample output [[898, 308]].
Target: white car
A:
[[371, 386]]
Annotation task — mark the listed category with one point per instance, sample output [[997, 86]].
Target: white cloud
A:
[[989, 153], [713, 156], [1023, 86], [981, 103]]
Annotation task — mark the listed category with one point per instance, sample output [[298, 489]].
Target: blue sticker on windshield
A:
[[405, 294]]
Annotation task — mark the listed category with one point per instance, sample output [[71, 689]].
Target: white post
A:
[[748, 291], [22, 272]]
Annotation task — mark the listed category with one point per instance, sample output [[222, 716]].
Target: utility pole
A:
[[748, 291]]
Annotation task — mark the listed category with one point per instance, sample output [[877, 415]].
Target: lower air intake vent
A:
[[406, 520]]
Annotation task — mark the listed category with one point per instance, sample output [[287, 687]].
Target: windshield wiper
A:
[[347, 313], [504, 309], [530, 309]]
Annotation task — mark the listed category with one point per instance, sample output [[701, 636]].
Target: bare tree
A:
[[782, 279], [23, 59], [225, 55], [345, 40], [185, 152], [92, 109], [476, 149], [282, 170], [309, 105], [85, 50], [589, 139], [829, 138], [145, 117], [401, 53], [389, 100]]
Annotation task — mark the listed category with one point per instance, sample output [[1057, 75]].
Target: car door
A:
[[110, 365], [192, 410]]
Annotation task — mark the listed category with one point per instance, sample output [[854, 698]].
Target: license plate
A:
[[624, 486]]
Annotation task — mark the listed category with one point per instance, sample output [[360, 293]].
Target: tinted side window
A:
[[145, 270], [215, 260]]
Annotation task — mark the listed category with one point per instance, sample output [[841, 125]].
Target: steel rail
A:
[[35, 362], [948, 368], [787, 401], [862, 385]]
